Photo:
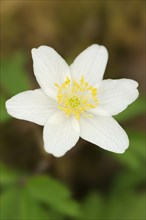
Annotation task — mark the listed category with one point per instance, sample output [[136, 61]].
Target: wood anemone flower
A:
[[74, 101]]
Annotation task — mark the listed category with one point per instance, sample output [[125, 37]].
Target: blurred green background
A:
[[87, 183]]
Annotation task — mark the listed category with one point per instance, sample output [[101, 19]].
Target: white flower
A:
[[75, 101]]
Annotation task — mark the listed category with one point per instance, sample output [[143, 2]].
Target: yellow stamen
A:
[[75, 98]]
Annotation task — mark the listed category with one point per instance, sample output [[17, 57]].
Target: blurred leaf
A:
[[137, 142], [127, 180], [54, 215], [9, 204], [49, 185], [7, 176], [3, 114], [37, 190], [133, 110], [30, 208], [18, 204], [124, 206], [69, 207], [46, 189], [134, 156], [128, 205], [14, 79], [92, 206]]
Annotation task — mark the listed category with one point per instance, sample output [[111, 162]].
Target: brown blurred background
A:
[[71, 26]]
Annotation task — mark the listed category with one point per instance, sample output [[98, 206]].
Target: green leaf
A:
[[19, 205], [134, 156], [133, 110], [48, 190], [137, 143], [54, 215], [68, 207], [29, 208], [92, 207], [3, 114], [14, 78], [127, 180], [49, 185], [9, 204], [126, 206], [7, 175]]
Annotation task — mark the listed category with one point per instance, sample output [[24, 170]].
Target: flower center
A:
[[76, 98], [74, 101]]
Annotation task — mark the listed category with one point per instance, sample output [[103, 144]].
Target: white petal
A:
[[33, 105], [49, 68], [104, 132], [91, 63], [60, 134], [115, 95], [99, 111]]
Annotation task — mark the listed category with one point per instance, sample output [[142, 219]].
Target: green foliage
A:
[[27, 200], [13, 80], [128, 205], [124, 201], [134, 157], [50, 191], [128, 180], [92, 207], [45, 183], [7, 176], [124, 205], [35, 198], [30, 208], [9, 202], [133, 110], [3, 114], [17, 204]]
